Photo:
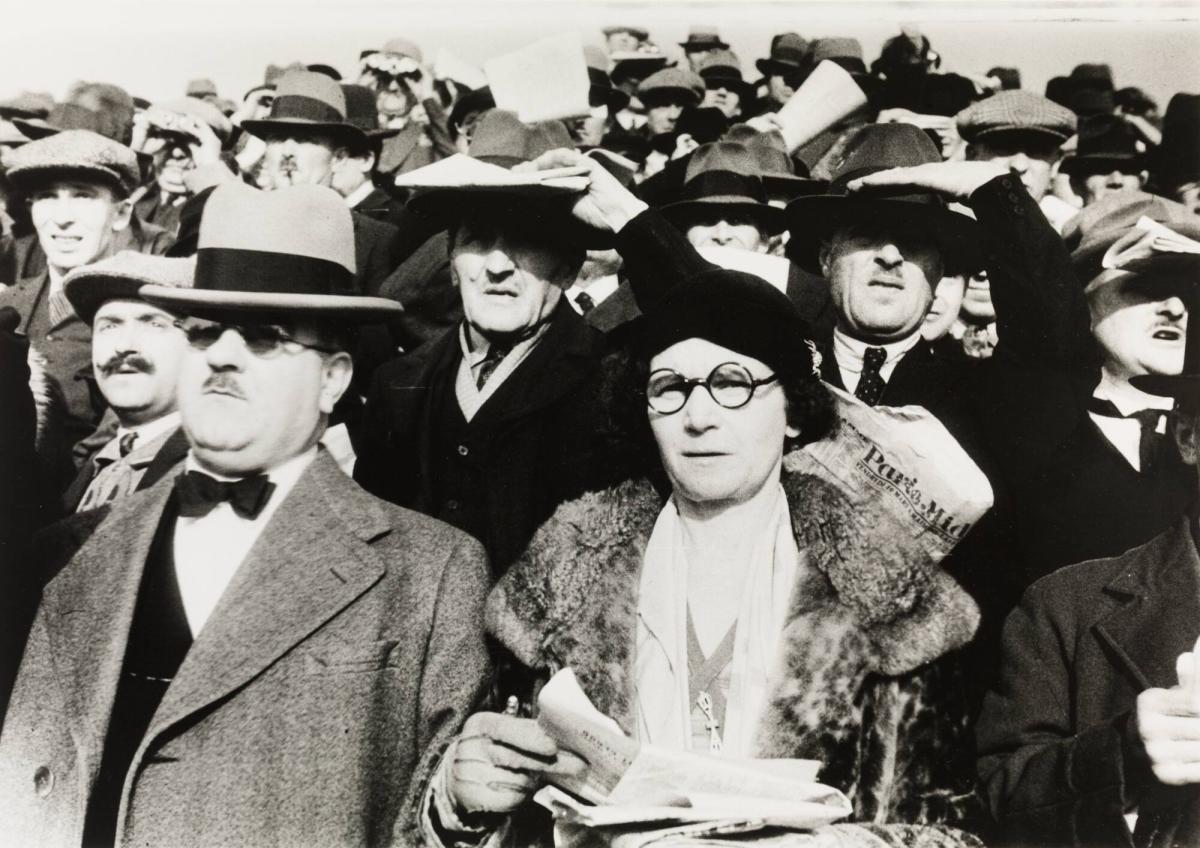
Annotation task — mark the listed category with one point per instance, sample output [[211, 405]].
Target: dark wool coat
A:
[[344, 655], [1058, 753], [871, 687]]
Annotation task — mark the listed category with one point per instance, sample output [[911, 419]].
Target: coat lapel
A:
[[553, 368], [24, 295], [1147, 635], [309, 563], [89, 606]]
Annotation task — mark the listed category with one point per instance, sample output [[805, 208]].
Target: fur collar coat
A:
[[871, 686]]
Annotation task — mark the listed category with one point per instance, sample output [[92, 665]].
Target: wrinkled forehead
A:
[[130, 309], [76, 183]]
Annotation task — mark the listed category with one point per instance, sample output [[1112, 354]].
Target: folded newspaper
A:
[[644, 791], [904, 459]]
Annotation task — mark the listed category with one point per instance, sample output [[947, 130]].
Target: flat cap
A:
[[75, 151], [120, 276], [1019, 110], [687, 83]]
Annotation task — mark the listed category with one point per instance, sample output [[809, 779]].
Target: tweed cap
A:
[[120, 277], [79, 152], [1091, 233], [1019, 110], [677, 81]]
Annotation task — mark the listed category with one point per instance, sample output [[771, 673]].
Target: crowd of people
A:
[[336, 420]]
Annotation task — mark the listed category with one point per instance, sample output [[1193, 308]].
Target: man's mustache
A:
[[121, 360], [223, 383]]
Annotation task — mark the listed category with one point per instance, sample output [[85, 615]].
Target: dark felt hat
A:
[[361, 111], [789, 56], [723, 69], [637, 65], [703, 38], [783, 176], [733, 309], [877, 147], [724, 176], [284, 252], [1177, 159], [308, 100], [470, 102], [601, 90], [1106, 143], [702, 123]]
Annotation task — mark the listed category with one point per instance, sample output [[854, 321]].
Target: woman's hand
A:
[[499, 761]]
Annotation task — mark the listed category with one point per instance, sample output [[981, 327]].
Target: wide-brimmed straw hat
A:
[[285, 252], [312, 101], [877, 147]]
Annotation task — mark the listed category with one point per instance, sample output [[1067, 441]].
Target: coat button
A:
[[43, 781], [452, 505], [463, 450]]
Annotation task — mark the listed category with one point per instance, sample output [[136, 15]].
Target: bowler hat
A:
[[74, 152], [724, 177], [872, 148], [1177, 159], [361, 111], [703, 38], [1106, 143], [722, 68], [676, 83], [312, 101], [789, 55], [120, 277], [284, 252]]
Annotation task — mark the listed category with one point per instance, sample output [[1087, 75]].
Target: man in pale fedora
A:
[[136, 354], [253, 651], [405, 100], [1088, 736], [308, 138], [78, 184], [494, 423]]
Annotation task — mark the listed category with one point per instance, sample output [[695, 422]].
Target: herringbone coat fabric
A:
[[343, 656]]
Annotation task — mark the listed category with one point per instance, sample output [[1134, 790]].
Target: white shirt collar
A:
[[151, 430], [598, 290], [849, 351], [284, 475], [1126, 398], [359, 194]]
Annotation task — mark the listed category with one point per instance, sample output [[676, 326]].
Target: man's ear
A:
[[1185, 427], [123, 212], [824, 257], [336, 371]]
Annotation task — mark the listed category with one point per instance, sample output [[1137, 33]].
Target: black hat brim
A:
[[775, 68], [770, 219], [1082, 166], [338, 132], [88, 294], [812, 220]]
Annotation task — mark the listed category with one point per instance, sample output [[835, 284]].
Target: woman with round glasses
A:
[[741, 607]]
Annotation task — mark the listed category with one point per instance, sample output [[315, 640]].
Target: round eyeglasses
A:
[[729, 384], [263, 340]]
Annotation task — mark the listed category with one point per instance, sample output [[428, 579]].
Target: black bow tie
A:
[[199, 494]]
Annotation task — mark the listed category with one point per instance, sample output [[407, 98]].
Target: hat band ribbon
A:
[[265, 272], [725, 183], [298, 106]]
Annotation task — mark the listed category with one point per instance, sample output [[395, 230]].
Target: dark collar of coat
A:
[[1156, 593], [572, 597], [23, 296]]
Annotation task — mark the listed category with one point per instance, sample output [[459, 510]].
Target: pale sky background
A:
[[152, 47]]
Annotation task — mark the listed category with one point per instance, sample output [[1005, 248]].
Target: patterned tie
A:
[[115, 476], [491, 361], [585, 303], [870, 381], [199, 494], [1151, 442]]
